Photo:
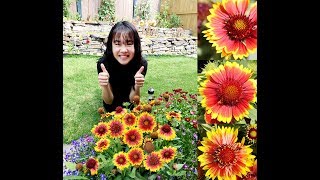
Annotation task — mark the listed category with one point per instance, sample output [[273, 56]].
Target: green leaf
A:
[[133, 173], [207, 127], [152, 177], [253, 114], [74, 177], [118, 177], [180, 173], [169, 173], [71, 166], [179, 166]]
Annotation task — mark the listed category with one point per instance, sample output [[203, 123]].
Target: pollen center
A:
[[115, 128], [239, 27], [231, 92], [225, 155], [166, 128], [154, 160], [101, 130], [121, 160], [132, 137], [253, 134], [135, 156], [146, 122]]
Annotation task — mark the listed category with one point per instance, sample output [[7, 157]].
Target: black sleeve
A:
[[99, 67]]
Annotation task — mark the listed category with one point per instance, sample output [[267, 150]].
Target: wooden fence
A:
[[187, 11]]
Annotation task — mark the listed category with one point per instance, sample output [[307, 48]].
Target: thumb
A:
[[140, 70], [103, 67]]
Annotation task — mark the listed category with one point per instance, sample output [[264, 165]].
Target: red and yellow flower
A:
[[153, 161], [115, 128], [135, 156], [232, 28], [252, 133], [119, 112], [252, 175], [168, 153], [129, 119], [166, 132], [173, 114], [133, 137], [120, 160], [228, 91], [102, 144], [223, 157], [92, 164], [146, 122], [100, 130]]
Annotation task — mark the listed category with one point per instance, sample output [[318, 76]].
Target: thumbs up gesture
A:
[[103, 76], [139, 78]]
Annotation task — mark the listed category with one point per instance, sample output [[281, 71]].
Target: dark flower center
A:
[[146, 122], [135, 156], [225, 155], [91, 163], [230, 93], [132, 137], [129, 119], [166, 128], [153, 160], [101, 130], [167, 154], [121, 160], [103, 143], [239, 27], [115, 127]]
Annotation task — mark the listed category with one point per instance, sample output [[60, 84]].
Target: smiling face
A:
[[123, 48]]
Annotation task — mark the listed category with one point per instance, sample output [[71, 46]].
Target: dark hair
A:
[[127, 30]]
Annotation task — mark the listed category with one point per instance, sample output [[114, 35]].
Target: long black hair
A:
[[115, 69]]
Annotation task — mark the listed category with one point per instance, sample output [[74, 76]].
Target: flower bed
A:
[[156, 139]]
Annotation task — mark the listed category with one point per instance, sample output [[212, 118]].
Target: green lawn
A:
[[82, 94]]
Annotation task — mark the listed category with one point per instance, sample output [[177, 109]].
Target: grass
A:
[[82, 94]]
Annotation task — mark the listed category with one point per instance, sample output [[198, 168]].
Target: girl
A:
[[121, 70]]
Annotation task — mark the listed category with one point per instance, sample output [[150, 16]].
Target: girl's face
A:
[[123, 49]]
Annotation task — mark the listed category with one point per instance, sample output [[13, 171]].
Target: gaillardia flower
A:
[[146, 122], [173, 114], [129, 119], [100, 130], [166, 132], [135, 156], [153, 162], [233, 28], [223, 157], [228, 91], [120, 160], [92, 164], [115, 128], [252, 133], [168, 153], [102, 144], [133, 137]]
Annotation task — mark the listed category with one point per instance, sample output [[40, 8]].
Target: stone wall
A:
[[89, 37]]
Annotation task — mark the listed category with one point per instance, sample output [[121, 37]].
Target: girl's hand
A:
[[103, 76], [139, 78]]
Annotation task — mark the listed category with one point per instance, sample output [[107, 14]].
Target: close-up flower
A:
[[120, 160], [222, 156], [115, 128], [92, 164], [135, 156], [129, 119], [100, 130], [146, 122], [153, 161], [228, 92], [133, 137], [252, 175], [168, 153], [102, 144], [166, 132], [232, 28]]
